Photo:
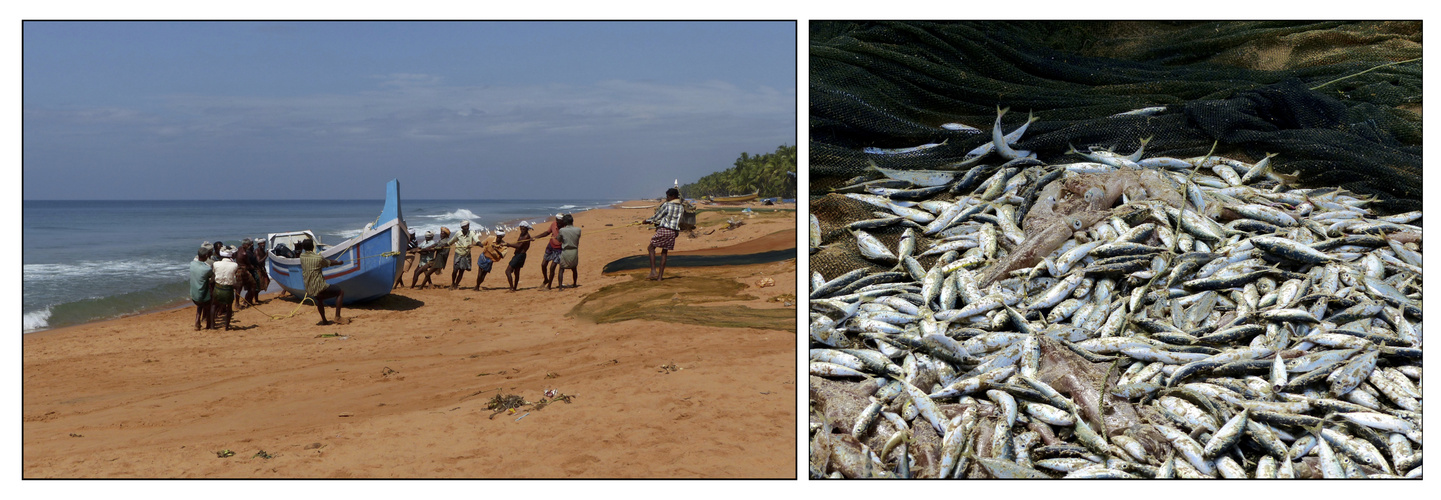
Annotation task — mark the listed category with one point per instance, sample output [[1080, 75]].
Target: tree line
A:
[[772, 174]]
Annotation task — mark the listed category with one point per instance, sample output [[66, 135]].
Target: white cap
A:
[[464, 224], [525, 224]]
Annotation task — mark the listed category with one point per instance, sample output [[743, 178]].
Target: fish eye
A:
[[1076, 224]]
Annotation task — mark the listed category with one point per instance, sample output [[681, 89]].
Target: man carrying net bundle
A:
[[667, 220]]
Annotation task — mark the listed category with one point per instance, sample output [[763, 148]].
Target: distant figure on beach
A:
[[410, 246], [491, 251], [311, 263], [461, 243], [201, 277], [425, 251], [551, 259], [522, 243], [667, 227], [569, 255], [225, 271], [437, 260]]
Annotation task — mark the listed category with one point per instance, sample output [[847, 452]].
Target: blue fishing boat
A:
[[370, 262]]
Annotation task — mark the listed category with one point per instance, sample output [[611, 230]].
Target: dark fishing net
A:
[[1251, 88]]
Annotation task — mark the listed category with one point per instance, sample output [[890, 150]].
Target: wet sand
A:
[[401, 389]]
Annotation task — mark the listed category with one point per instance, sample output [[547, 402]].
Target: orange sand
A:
[[403, 391]]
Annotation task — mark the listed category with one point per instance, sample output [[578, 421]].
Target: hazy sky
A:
[[192, 110]]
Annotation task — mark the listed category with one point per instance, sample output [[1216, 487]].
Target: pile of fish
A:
[[1116, 317]]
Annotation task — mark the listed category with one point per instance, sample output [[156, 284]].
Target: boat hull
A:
[[370, 262], [736, 199]]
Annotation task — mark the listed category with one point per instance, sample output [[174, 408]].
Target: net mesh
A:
[[1251, 88]]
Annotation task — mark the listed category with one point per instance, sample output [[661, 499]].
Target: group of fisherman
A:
[[224, 276], [220, 275], [429, 255]]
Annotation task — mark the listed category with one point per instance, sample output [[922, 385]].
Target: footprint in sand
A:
[[578, 465]]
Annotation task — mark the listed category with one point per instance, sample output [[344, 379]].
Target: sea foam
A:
[[88, 269], [460, 214], [36, 320]]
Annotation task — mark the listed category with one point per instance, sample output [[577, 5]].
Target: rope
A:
[[1364, 72], [308, 298], [386, 254], [633, 224], [293, 312]]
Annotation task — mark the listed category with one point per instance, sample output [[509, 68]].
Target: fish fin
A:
[[1315, 430], [1288, 179]]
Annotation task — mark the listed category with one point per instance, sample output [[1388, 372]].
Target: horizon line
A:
[[325, 199]]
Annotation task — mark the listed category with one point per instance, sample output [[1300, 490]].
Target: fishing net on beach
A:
[[683, 301], [1300, 90]]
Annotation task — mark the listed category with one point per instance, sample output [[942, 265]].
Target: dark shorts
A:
[[224, 294], [244, 278], [552, 255], [324, 293], [483, 263], [462, 262], [664, 238], [438, 262], [518, 261]]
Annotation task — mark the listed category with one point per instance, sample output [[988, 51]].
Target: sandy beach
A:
[[401, 390]]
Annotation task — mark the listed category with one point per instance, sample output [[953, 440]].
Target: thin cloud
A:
[[407, 79], [413, 106]]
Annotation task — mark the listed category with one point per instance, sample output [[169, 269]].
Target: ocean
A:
[[92, 260]]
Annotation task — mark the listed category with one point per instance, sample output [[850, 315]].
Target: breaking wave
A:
[[460, 214], [40, 273], [36, 320]]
